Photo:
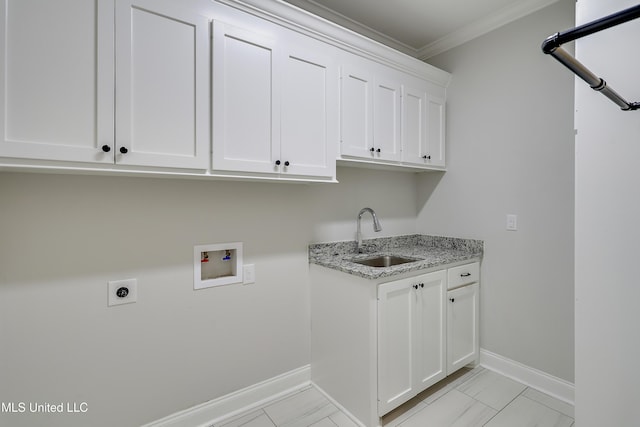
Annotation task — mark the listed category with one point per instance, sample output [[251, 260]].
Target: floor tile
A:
[[449, 383], [492, 389], [524, 412], [301, 409], [341, 420], [325, 422], [454, 409], [401, 414], [254, 419], [551, 402]]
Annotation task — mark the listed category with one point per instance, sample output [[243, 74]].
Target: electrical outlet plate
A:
[[512, 222], [249, 274], [131, 286]]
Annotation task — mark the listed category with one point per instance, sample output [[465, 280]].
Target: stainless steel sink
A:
[[384, 261]]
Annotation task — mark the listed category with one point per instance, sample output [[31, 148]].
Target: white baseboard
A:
[[252, 397], [532, 377], [339, 406]]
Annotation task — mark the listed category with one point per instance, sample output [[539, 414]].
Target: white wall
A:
[[64, 237], [510, 151], [607, 233]]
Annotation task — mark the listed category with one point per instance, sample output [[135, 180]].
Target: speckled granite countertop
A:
[[431, 251]]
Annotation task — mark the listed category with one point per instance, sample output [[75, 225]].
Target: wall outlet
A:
[[249, 274], [122, 292], [512, 222]]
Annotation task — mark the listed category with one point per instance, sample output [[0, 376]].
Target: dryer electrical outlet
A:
[[122, 292]]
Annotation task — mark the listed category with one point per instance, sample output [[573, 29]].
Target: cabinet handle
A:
[[277, 162], [422, 285], [124, 150], [287, 163], [415, 286], [452, 299], [372, 149], [106, 148], [378, 150], [465, 275], [426, 157]]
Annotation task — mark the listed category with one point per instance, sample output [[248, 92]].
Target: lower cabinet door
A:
[[411, 335], [430, 359], [462, 327], [397, 326]]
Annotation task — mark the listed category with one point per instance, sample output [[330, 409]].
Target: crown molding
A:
[[353, 25], [482, 26], [305, 22]]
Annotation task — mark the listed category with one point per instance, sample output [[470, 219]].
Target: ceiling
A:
[[421, 28]]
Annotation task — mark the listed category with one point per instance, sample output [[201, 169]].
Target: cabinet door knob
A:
[[415, 286], [286, 163], [426, 157], [452, 299], [277, 162], [372, 149], [124, 150], [422, 285], [106, 148], [378, 150]]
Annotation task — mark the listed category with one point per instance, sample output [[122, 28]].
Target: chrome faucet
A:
[[376, 227]]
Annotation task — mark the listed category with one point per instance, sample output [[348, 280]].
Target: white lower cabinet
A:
[[462, 327], [375, 344], [411, 337]]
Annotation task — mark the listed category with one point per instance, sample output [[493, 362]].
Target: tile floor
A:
[[470, 398]]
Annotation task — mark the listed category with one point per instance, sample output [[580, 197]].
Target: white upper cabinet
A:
[[274, 105], [370, 114], [245, 101], [162, 85], [309, 111], [356, 112], [386, 119], [390, 117], [72, 94], [206, 88], [436, 130], [56, 79], [422, 127]]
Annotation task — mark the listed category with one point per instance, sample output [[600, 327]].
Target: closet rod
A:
[[552, 46]]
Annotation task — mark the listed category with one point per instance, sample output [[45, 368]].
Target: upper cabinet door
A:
[[162, 85], [56, 79], [422, 127], [414, 126], [436, 130], [369, 114], [309, 112], [356, 113], [245, 101], [386, 117]]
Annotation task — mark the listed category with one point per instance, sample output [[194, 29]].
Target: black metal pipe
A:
[[556, 40], [551, 46]]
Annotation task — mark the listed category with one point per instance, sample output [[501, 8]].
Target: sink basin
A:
[[384, 261]]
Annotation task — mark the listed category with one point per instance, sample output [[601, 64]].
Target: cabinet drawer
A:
[[463, 275]]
